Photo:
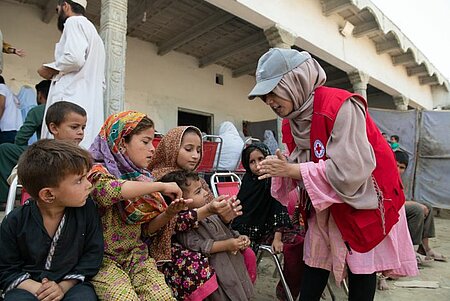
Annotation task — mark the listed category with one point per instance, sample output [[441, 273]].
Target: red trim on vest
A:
[[361, 229]]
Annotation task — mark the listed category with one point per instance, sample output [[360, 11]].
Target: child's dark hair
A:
[[402, 157], [47, 162], [144, 124], [397, 138], [43, 87], [57, 112], [180, 177]]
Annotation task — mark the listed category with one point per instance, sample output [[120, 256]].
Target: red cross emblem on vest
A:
[[319, 149]]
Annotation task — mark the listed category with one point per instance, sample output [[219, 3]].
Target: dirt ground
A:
[[438, 271]]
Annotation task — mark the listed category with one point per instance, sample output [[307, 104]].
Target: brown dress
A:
[[232, 275]]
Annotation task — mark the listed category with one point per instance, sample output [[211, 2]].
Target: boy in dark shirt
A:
[[53, 245]]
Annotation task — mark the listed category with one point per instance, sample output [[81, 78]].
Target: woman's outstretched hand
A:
[[273, 166], [278, 166]]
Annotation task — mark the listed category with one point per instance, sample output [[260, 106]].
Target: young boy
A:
[[52, 245], [65, 120], [215, 239]]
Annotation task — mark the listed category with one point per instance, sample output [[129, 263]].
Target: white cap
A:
[[81, 2]]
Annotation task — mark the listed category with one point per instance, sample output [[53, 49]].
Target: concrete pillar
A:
[[1, 52], [359, 80], [401, 102], [113, 30], [279, 37]]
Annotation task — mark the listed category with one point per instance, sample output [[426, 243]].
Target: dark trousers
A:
[[83, 291], [361, 286], [9, 155], [7, 136]]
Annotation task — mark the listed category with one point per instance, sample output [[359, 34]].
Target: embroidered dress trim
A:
[[48, 262], [74, 277], [18, 281]]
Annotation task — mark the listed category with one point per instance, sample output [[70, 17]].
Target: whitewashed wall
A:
[[156, 85]]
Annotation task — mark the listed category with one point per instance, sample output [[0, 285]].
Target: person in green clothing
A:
[[10, 152]]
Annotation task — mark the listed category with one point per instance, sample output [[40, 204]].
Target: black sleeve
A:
[[11, 262]]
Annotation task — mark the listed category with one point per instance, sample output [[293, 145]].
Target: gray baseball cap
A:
[[272, 66]]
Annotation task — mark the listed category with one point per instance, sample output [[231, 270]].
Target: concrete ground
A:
[[438, 271]]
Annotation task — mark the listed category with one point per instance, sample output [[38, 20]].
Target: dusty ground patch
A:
[[439, 271]]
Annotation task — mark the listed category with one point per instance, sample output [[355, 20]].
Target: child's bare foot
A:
[[382, 283]]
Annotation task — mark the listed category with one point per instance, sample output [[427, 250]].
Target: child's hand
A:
[[277, 246], [234, 245], [177, 205], [171, 190], [49, 291], [237, 207], [218, 205], [231, 209], [245, 241]]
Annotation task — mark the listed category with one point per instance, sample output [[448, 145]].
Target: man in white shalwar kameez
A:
[[78, 73]]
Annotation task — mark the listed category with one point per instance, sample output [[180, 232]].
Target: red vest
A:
[[362, 230]]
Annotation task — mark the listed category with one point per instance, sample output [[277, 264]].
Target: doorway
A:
[[202, 120]]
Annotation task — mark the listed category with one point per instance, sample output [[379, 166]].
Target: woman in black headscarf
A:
[[264, 219]]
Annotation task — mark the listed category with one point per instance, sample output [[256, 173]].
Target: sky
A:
[[426, 24]]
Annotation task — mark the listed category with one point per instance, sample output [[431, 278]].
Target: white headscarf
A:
[[270, 141], [232, 146]]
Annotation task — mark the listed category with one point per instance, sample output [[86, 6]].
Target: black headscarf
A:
[[262, 214]]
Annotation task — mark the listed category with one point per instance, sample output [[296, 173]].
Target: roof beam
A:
[[136, 16], [335, 6], [365, 29], [139, 13], [428, 80], [417, 70], [387, 46], [244, 70], [251, 41], [194, 32], [403, 59], [49, 11]]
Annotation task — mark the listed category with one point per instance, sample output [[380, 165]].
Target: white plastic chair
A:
[[11, 200]]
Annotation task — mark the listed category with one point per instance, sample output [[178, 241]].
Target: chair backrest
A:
[[11, 199], [211, 153], [157, 139], [225, 183], [239, 167]]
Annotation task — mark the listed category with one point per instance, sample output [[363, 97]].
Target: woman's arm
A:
[[351, 158]]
